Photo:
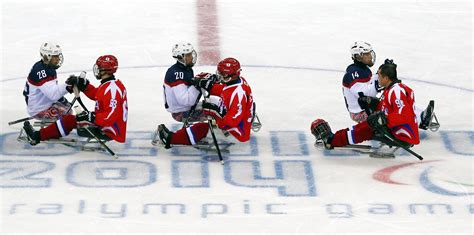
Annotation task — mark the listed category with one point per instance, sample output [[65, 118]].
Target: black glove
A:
[[206, 84], [85, 118], [368, 103], [214, 110], [80, 82], [377, 120], [205, 81]]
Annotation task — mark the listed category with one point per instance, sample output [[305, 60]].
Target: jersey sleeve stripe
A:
[[41, 82], [362, 80], [176, 83]]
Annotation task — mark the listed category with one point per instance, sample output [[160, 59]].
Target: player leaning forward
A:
[[394, 115], [230, 103], [108, 121]]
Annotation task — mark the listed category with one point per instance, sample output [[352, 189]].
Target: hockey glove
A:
[[206, 84], [214, 110], [205, 81], [377, 120], [85, 118], [368, 103], [81, 83]]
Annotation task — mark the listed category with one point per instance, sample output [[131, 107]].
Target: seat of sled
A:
[[82, 132]]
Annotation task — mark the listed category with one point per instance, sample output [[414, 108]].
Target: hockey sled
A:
[[205, 145], [380, 151], [434, 125], [256, 123], [386, 148], [84, 140]]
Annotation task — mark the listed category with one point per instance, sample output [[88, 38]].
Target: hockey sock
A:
[[340, 138], [354, 135], [60, 128], [359, 133], [190, 135]]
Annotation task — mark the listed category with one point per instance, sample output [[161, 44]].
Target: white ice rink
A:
[[293, 54]]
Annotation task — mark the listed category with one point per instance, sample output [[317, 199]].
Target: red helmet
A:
[[228, 69], [107, 64]]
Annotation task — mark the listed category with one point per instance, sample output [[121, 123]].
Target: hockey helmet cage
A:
[[48, 50], [228, 69], [182, 49], [107, 64], [359, 48]]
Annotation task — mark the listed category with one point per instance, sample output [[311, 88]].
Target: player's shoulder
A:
[[40, 74], [396, 90], [236, 86], [359, 68], [112, 86], [356, 73], [120, 85], [179, 74], [39, 66]]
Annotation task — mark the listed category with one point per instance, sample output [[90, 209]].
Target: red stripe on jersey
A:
[[42, 81], [363, 80], [175, 83]]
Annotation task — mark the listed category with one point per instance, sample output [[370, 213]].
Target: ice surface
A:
[[293, 54]]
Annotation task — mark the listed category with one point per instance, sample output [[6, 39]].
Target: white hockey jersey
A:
[[42, 88], [179, 93], [358, 79]]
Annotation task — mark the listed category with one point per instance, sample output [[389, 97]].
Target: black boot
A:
[[165, 136], [426, 116], [33, 136]]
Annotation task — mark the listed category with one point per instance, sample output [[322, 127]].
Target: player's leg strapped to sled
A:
[[375, 128], [194, 134], [90, 137]]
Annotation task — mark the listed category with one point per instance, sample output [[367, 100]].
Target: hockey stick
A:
[[78, 98], [191, 111], [20, 120], [72, 103], [211, 128], [400, 144]]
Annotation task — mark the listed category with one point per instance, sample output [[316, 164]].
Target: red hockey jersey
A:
[[398, 102], [237, 98], [111, 107]]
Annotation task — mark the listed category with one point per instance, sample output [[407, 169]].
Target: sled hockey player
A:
[[180, 95], [107, 122], [230, 104], [358, 82], [393, 116], [44, 96]]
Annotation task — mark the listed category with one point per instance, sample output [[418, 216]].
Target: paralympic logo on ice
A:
[[431, 184]]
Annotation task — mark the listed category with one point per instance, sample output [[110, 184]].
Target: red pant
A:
[[354, 135], [60, 128]]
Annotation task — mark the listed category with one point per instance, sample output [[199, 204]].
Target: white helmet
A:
[[182, 49], [359, 48], [48, 50]]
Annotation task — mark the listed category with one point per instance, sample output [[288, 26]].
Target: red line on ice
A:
[[384, 175], [208, 32]]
